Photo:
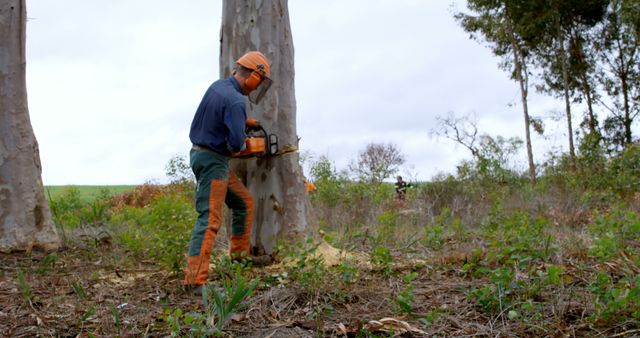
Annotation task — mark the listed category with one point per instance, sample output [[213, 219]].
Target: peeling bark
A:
[[25, 219], [276, 183]]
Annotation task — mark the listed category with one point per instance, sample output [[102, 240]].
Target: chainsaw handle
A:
[[252, 124]]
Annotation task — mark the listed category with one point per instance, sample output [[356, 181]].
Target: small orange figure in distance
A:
[[309, 186]]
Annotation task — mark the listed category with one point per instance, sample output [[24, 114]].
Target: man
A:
[[401, 188], [217, 132]]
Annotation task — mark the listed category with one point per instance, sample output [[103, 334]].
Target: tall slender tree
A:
[[494, 21], [618, 51], [549, 27], [276, 183], [582, 61], [25, 219]]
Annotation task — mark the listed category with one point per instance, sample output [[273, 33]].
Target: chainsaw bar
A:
[[286, 150]]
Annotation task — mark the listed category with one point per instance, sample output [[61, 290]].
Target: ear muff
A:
[[253, 81]]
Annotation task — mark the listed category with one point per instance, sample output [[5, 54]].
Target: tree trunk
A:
[[578, 51], [522, 77], [565, 80], [586, 88], [25, 220], [623, 73], [276, 183]]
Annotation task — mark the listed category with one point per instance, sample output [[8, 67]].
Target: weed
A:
[[430, 318], [405, 297], [116, 317], [87, 314], [78, 289], [496, 296], [25, 288], [308, 268], [223, 264], [173, 320], [381, 258], [433, 236], [506, 291], [516, 240], [227, 299], [347, 272], [195, 320], [453, 224], [48, 262], [387, 224], [616, 300], [614, 232]]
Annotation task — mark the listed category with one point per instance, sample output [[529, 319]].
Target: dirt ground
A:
[[99, 291]]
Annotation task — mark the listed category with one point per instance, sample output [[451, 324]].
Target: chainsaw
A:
[[258, 143]]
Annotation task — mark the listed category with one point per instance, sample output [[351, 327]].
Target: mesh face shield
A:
[[257, 95]]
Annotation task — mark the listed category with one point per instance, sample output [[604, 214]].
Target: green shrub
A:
[[65, 209], [616, 300], [615, 231], [307, 268], [161, 230], [382, 259], [624, 170], [69, 210], [405, 297], [517, 240], [511, 289]]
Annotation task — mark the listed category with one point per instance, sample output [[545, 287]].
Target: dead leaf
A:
[[307, 324], [238, 317], [341, 330], [386, 324]]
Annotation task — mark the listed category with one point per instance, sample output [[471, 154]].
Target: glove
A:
[[252, 124]]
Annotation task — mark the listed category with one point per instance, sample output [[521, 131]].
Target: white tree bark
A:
[[276, 183], [25, 219]]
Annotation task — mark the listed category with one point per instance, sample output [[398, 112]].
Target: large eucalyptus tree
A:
[[276, 183], [25, 219]]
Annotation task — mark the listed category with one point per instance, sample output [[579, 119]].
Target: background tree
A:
[[377, 162], [491, 156], [583, 65], [548, 27], [276, 183], [620, 73], [25, 219], [494, 22], [460, 129]]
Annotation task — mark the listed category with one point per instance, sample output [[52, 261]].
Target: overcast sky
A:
[[113, 85]]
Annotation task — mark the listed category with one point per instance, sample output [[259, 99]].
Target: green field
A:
[[87, 192]]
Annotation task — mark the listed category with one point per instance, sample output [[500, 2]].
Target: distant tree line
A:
[[582, 51]]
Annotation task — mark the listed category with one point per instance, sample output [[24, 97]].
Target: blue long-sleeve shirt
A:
[[219, 122]]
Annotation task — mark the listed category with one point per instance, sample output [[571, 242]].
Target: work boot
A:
[[193, 289], [262, 260]]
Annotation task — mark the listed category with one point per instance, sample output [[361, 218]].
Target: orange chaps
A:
[[216, 186]]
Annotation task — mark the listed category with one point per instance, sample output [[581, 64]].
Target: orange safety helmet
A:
[[258, 82], [256, 61]]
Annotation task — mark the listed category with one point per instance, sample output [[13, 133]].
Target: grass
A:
[[512, 272], [456, 258], [87, 192]]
